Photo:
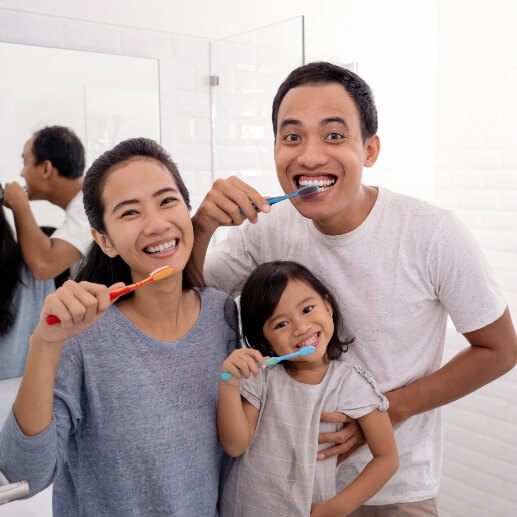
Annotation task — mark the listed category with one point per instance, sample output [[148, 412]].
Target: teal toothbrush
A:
[[275, 360]]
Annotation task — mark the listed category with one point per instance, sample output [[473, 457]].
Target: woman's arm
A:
[[78, 306], [376, 427], [236, 417]]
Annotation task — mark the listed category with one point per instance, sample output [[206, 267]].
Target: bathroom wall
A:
[[444, 76]]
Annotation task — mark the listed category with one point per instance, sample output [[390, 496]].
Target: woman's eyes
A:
[[128, 213], [168, 200]]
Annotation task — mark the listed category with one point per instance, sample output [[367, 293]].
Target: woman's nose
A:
[[155, 222]]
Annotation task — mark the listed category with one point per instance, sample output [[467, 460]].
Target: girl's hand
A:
[[242, 363], [77, 305]]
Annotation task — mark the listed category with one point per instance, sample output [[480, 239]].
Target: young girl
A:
[[115, 423], [270, 417]]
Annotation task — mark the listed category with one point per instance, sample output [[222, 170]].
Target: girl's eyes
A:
[[308, 309], [281, 325]]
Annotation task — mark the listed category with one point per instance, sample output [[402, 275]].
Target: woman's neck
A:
[[163, 311]]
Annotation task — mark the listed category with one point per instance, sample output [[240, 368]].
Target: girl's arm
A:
[[236, 417], [78, 306], [378, 432]]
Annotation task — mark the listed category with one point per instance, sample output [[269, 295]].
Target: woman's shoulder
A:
[[211, 295]]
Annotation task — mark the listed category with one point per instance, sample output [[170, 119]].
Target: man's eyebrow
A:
[[290, 122], [324, 122], [133, 201], [331, 120]]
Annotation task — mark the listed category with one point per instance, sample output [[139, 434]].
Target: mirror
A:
[[104, 98]]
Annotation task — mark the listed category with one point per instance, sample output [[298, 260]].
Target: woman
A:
[[128, 427]]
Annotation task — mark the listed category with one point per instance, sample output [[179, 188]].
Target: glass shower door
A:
[[246, 71]]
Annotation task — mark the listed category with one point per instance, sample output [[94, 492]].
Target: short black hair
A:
[[61, 146], [321, 72], [261, 294]]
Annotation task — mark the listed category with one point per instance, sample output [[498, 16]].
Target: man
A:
[[397, 265], [53, 165]]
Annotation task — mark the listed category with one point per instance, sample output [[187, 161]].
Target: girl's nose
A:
[[300, 327]]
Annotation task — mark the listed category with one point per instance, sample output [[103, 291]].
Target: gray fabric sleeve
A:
[[364, 394], [252, 389]]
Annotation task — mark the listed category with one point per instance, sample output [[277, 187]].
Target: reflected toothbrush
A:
[[275, 360], [157, 274]]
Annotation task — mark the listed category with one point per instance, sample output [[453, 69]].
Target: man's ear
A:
[[372, 148], [104, 243], [48, 169]]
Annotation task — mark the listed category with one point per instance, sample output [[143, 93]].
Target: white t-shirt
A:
[[395, 277], [75, 228]]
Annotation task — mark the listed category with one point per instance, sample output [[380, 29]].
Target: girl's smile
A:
[[301, 318]]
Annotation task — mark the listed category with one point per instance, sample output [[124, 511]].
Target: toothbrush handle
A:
[[269, 362], [272, 200], [52, 320]]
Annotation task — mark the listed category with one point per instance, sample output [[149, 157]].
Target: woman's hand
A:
[[77, 305]]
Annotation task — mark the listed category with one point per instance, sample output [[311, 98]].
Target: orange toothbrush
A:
[[157, 274]]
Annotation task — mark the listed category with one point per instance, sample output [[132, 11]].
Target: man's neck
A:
[[64, 190]]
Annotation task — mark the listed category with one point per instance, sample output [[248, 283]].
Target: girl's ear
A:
[[328, 305], [104, 243]]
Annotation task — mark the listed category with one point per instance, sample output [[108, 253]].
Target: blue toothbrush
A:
[[275, 360], [304, 191]]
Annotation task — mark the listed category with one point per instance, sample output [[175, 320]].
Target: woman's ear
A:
[[104, 243]]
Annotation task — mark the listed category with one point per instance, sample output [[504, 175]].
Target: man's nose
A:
[[312, 154]]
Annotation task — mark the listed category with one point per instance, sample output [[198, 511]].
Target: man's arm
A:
[[45, 257], [222, 207], [492, 352]]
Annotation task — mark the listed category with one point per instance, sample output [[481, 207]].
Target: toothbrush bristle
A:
[[308, 189], [307, 350]]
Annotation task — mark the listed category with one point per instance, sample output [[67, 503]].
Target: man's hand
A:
[[14, 195], [229, 203], [347, 440]]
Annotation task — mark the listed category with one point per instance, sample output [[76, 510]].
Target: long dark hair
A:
[[97, 266], [261, 294], [10, 265]]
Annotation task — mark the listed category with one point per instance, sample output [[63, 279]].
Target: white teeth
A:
[[162, 247], [322, 184], [308, 342]]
